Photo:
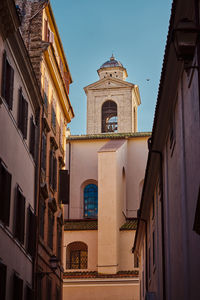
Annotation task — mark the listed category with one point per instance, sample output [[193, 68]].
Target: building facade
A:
[[167, 238], [46, 52], [106, 171], [20, 111]]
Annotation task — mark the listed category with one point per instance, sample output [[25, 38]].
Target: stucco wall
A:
[[101, 290], [84, 157]]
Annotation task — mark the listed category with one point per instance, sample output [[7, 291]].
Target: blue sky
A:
[[134, 30]]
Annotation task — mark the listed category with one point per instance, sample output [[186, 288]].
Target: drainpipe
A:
[[162, 219]]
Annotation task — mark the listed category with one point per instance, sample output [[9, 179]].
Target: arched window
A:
[[76, 256], [109, 116], [90, 194]]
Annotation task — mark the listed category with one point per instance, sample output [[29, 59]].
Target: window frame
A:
[[7, 81], [5, 189], [20, 205], [22, 114], [109, 111], [3, 280], [94, 203]]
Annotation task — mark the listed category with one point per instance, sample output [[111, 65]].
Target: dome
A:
[[111, 63]]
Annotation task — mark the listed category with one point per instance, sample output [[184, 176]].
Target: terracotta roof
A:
[[80, 225], [109, 136], [94, 274], [130, 225]]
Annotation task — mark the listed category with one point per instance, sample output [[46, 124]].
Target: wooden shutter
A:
[[3, 87], [20, 106], [44, 150], [5, 191], [17, 288], [31, 232], [64, 186], [3, 271], [25, 118], [20, 216], [54, 173], [11, 81], [48, 289], [29, 293], [32, 137], [51, 168]]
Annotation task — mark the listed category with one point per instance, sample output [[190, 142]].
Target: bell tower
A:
[[112, 102]]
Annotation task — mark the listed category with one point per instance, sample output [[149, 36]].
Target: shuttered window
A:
[[3, 271], [46, 94], [29, 293], [58, 293], [52, 170], [19, 215], [17, 288], [59, 240], [22, 114], [42, 215], [48, 289], [50, 228], [32, 137], [44, 151], [31, 232], [53, 118], [64, 186], [7, 82], [54, 173], [5, 192]]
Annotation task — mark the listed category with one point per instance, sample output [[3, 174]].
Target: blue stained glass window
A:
[[91, 201]]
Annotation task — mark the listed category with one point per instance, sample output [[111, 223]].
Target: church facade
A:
[[106, 170]]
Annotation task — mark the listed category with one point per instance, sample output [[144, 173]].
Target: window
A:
[[61, 135], [64, 186], [196, 226], [136, 261], [77, 253], [59, 239], [91, 201], [7, 81], [58, 293], [20, 215], [29, 293], [17, 288], [109, 116], [31, 232], [52, 170], [153, 240], [22, 114], [44, 151], [153, 207], [50, 228], [32, 137], [39, 286], [53, 116], [48, 289], [3, 271], [5, 192], [149, 263], [46, 94], [42, 215]]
